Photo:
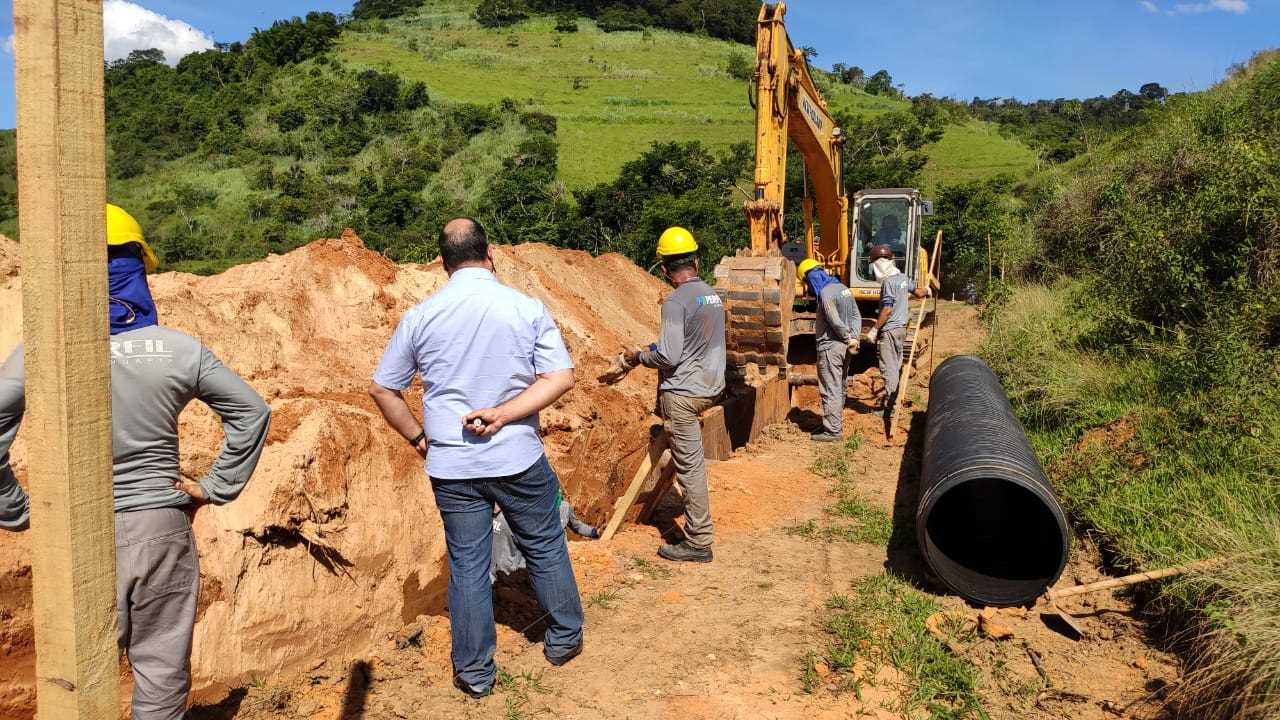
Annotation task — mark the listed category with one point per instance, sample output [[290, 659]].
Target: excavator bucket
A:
[[758, 294]]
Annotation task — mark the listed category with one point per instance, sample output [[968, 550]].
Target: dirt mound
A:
[[336, 542]]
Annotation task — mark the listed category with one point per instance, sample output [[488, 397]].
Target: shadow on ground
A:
[[904, 556]]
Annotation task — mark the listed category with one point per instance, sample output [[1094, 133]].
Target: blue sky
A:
[[961, 48]]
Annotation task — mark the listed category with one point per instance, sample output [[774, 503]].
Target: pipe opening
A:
[[994, 541]]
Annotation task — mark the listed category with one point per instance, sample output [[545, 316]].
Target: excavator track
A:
[[758, 293]]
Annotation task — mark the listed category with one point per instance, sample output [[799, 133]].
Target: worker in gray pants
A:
[[690, 358], [890, 331], [155, 372], [837, 334]]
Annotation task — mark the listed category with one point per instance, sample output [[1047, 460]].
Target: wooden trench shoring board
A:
[[62, 195]]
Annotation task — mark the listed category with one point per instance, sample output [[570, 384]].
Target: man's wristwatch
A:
[[418, 438]]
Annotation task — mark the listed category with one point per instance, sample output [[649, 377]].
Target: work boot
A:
[[562, 659], [684, 552], [825, 437], [470, 691]]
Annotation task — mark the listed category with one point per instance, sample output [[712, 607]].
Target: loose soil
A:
[[725, 640], [323, 585]]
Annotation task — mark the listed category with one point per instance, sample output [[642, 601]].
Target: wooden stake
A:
[[61, 195], [988, 259], [911, 357]]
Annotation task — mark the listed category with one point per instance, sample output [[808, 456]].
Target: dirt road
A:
[[731, 639]]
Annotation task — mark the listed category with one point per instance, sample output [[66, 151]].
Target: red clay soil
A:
[[336, 541], [291, 639]]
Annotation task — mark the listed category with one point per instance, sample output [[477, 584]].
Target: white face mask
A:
[[883, 268]]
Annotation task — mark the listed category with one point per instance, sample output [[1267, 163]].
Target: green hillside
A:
[[614, 94]]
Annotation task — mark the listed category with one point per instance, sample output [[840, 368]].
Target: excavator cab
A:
[[891, 217]]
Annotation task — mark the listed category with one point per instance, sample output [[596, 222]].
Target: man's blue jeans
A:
[[529, 502]]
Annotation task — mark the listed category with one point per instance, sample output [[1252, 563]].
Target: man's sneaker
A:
[[562, 659], [684, 552], [825, 437], [470, 691]]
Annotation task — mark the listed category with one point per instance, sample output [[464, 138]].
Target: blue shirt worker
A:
[[890, 331], [837, 331], [155, 372], [490, 359], [690, 358]]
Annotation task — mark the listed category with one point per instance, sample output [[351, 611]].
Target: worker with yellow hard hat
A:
[[837, 333], [155, 372], [690, 359]]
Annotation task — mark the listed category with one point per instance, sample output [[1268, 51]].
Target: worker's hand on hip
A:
[[484, 423], [873, 334], [421, 448], [192, 489]]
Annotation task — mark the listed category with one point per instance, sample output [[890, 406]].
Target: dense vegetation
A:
[[1147, 369]]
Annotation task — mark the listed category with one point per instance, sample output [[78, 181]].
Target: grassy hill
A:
[[614, 94], [309, 127]]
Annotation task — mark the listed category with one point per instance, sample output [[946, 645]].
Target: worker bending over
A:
[[490, 360], [155, 372], [838, 328], [890, 331], [690, 358]]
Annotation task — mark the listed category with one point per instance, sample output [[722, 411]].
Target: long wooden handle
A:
[[1133, 579]]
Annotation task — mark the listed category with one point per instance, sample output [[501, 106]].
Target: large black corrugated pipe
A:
[[988, 522]]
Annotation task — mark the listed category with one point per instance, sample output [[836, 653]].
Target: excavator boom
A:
[[758, 285]]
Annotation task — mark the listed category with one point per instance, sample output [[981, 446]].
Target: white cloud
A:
[[7, 44], [128, 26], [1149, 6], [1239, 7]]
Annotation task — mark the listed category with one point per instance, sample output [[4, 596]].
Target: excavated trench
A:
[[336, 542]]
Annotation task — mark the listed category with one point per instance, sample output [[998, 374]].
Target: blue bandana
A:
[[818, 279], [130, 304]]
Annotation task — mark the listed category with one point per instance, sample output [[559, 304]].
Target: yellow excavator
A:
[[766, 306]]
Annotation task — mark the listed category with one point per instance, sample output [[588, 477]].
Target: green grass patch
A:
[[603, 599], [882, 623], [614, 94], [851, 517], [976, 151], [516, 690]]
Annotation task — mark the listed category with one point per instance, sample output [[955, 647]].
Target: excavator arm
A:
[[758, 286], [789, 107]]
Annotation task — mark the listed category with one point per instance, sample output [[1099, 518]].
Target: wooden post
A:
[[61, 195], [988, 259]]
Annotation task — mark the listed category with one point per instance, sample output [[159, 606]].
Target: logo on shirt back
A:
[[139, 352], [709, 300]]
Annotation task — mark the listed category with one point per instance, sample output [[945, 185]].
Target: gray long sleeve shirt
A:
[[838, 317], [895, 293], [690, 353], [155, 372]]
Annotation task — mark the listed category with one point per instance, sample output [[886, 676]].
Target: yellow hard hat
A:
[[805, 266], [122, 229], [676, 241]]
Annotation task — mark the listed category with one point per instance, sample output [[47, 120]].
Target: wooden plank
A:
[[623, 504], [715, 435], [61, 195], [666, 478], [645, 499]]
